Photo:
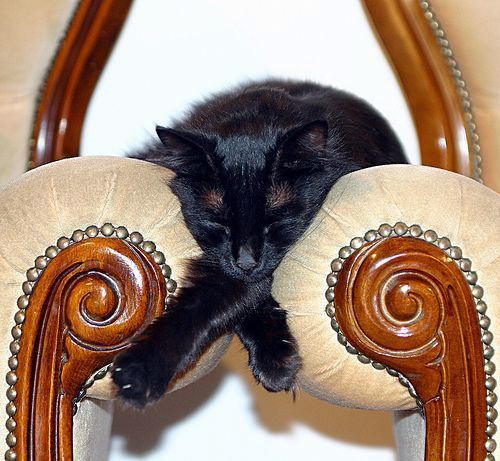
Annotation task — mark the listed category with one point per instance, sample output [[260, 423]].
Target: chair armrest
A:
[[404, 322], [89, 249]]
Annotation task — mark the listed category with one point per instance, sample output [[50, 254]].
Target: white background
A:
[[170, 54]]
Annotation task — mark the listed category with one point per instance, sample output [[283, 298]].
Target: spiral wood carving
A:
[[405, 303], [89, 302]]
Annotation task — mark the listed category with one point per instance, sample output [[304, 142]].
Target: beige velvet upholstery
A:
[[474, 35], [54, 200], [409, 431], [30, 31], [456, 207], [92, 430]]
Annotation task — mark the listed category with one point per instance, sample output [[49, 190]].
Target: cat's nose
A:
[[246, 258]]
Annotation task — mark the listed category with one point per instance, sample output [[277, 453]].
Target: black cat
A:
[[253, 167]]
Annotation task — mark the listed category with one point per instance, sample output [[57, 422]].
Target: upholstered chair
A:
[[392, 293]]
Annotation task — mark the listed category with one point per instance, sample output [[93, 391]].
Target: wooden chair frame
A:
[[72, 78], [435, 90], [442, 120]]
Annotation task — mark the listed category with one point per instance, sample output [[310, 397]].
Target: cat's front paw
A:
[[140, 374], [276, 369]]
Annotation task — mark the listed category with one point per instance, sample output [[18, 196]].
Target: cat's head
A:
[[246, 199]]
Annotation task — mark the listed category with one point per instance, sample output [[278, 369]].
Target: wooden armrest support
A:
[[405, 303], [84, 301]]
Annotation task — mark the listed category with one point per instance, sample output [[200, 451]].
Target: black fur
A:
[[253, 168]]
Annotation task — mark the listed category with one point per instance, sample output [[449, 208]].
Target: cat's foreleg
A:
[[175, 340], [272, 350]]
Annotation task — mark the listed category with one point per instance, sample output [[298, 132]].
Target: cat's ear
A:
[[302, 147], [185, 152]]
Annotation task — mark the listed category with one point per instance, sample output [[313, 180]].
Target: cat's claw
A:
[[140, 376], [279, 372]]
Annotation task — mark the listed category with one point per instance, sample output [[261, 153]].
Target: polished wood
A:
[[405, 303], [89, 303], [427, 83], [72, 79]]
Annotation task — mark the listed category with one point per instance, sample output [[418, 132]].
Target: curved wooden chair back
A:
[[423, 60]]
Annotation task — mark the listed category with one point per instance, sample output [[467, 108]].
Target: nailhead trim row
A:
[[461, 87]]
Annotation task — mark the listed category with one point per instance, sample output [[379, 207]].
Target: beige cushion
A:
[[92, 430], [409, 431], [54, 200], [474, 36], [30, 31], [457, 207]]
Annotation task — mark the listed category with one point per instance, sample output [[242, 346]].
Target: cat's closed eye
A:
[[219, 228], [271, 228], [302, 165], [292, 164]]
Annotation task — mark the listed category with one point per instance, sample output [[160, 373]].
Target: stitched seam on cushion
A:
[[300, 263], [460, 217], [56, 204], [389, 193], [165, 218], [109, 193], [10, 264]]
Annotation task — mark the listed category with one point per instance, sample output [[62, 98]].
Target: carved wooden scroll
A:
[[72, 78], [405, 303], [432, 82], [89, 302]]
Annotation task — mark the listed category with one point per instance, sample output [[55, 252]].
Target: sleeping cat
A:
[[253, 166]]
